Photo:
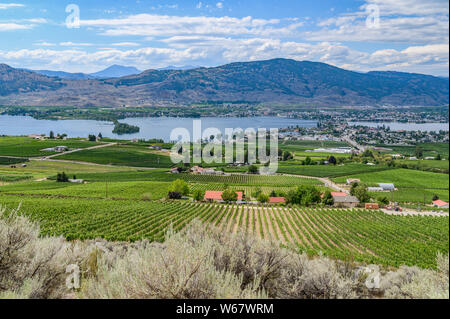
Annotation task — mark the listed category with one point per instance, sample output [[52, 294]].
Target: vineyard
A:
[[360, 235]]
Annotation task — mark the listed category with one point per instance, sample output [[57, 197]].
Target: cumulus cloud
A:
[[408, 21], [163, 26], [13, 26], [4, 6], [197, 50]]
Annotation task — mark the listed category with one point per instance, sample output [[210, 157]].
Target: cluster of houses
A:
[[200, 171], [57, 149], [216, 196]]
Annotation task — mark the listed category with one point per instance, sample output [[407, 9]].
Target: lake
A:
[[159, 127], [396, 126]]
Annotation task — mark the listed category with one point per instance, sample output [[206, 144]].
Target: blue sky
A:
[[361, 35]]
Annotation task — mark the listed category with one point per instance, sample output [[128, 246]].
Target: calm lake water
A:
[[150, 127], [396, 126]]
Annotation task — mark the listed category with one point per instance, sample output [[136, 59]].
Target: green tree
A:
[[435, 197], [383, 200], [92, 138], [418, 152], [352, 189], [438, 157], [263, 198], [361, 193], [253, 169], [328, 199], [332, 160], [308, 160], [179, 186], [198, 195], [229, 196], [52, 135]]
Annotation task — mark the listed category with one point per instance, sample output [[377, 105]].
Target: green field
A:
[[328, 170], [429, 149], [29, 147], [301, 146], [365, 236], [414, 186], [124, 155]]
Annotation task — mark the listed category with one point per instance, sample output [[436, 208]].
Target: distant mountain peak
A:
[[116, 71]]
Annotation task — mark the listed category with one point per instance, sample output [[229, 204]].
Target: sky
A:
[[360, 35]]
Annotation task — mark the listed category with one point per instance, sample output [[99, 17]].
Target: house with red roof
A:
[[440, 204], [277, 200], [216, 196]]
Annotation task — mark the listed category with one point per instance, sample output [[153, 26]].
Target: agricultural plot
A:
[[119, 190], [28, 147], [328, 170], [10, 161], [414, 186], [364, 236], [124, 155], [164, 176], [429, 149], [301, 146]]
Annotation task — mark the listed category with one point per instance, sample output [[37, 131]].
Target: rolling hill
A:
[[279, 81]]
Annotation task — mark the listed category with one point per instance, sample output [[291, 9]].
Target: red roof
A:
[[440, 203], [275, 200], [336, 194], [217, 195]]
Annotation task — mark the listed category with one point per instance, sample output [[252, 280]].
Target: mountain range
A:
[[114, 71], [277, 81]]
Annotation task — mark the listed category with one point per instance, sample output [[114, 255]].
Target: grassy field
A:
[[365, 236], [328, 170], [10, 161], [29, 147], [124, 155], [429, 149], [413, 186], [301, 146]]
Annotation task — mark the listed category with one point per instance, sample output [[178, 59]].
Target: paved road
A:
[[353, 143]]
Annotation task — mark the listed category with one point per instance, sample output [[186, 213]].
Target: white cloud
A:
[[165, 26], [126, 44], [71, 44], [208, 51], [4, 6], [408, 21], [219, 5], [13, 26]]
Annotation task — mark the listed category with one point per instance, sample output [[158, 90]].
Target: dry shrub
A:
[[32, 267], [199, 262]]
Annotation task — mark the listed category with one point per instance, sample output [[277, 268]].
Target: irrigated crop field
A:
[[360, 235]]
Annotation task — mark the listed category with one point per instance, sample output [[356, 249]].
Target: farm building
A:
[[351, 181], [372, 206], [345, 201], [76, 181], [156, 147], [440, 204], [277, 200], [387, 186], [216, 196], [56, 149], [375, 189]]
